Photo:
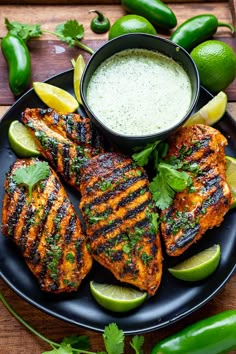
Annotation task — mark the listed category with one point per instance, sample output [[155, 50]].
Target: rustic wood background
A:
[[49, 57]]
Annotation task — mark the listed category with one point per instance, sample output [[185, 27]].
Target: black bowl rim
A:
[[157, 135]]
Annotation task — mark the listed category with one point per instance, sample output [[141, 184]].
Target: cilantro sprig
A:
[[113, 338], [169, 177], [29, 176], [25, 31], [70, 32]]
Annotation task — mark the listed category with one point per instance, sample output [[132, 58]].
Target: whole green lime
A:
[[216, 63], [130, 24]]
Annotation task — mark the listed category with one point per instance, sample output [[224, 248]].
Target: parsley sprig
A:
[[70, 32], [113, 339], [169, 179]]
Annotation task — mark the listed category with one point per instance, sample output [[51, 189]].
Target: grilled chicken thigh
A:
[[47, 230], [120, 220], [204, 204], [66, 140]]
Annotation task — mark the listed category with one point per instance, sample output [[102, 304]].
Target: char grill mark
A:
[[112, 178], [14, 217], [118, 188], [66, 140], [70, 125], [48, 232], [117, 208], [194, 212], [70, 229]]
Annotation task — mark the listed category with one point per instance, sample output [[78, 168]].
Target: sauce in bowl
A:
[[138, 92]]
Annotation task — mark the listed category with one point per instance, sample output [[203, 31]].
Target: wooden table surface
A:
[[49, 57]]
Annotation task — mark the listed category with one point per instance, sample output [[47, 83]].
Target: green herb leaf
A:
[[29, 176], [70, 31], [77, 342], [25, 31], [162, 193], [166, 183], [137, 344], [155, 221], [113, 339], [63, 349], [142, 157], [177, 180]]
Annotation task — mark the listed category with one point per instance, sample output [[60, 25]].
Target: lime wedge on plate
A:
[[55, 97], [231, 177], [21, 140], [199, 266], [211, 112], [117, 298], [78, 71]]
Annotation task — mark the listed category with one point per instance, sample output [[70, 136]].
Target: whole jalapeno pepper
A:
[[155, 11], [212, 335], [17, 57], [100, 23], [196, 30]]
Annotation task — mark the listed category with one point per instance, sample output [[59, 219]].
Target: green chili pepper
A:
[[212, 335], [155, 11], [196, 30], [100, 23], [17, 56]]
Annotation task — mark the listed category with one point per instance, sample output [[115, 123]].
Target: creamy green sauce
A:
[[139, 92]]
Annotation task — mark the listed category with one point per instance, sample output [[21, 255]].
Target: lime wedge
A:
[[117, 298], [21, 140], [211, 112], [78, 71], [231, 177], [199, 266], [55, 97]]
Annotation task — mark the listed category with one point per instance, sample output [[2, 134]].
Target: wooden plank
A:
[[81, 2], [51, 56], [53, 15]]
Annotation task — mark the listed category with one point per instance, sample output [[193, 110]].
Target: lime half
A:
[[231, 177], [199, 266], [55, 97], [117, 298], [78, 71], [21, 140], [211, 112]]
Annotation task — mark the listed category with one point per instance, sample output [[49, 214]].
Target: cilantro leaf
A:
[[162, 193], [166, 183], [177, 180], [77, 342], [74, 29], [29, 176], [72, 32], [142, 157], [137, 344], [113, 339], [25, 31]]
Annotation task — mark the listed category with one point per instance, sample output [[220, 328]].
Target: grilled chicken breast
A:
[[66, 140], [47, 231], [121, 221], [204, 204]]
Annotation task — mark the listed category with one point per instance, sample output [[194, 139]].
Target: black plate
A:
[[173, 300]]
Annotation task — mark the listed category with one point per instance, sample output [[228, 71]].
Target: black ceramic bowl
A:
[[144, 41]]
